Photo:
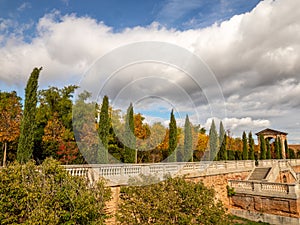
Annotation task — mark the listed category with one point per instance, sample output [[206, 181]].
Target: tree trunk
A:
[[4, 154]]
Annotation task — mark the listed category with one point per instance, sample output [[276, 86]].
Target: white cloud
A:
[[255, 57]]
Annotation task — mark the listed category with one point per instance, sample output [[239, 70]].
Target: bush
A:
[[174, 201], [47, 194]]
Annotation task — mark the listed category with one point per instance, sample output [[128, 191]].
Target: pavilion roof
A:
[[270, 131]]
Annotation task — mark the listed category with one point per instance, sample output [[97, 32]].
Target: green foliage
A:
[[172, 139], [213, 141], [251, 146], [223, 141], [268, 156], [245, 146], [28, 124], [130, 142], [292, 154], [104, 126], [230, 191], [174, 201], [277, 148], [47, 194], [262, 147], [188, 140], [286, 148]]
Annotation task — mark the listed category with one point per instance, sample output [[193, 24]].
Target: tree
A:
[[286, 148], [48, 194], [130, 142], [188, 140], [104, 126], [268, 155], [174, 201], [172, 139], [280, 147], [277, 148], [28, 124], [262, 147], [251, 146], [222, 140], [213, 141], [10, 119], [245, 146]]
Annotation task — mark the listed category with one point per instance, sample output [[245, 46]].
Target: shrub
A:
[[47, 194], [174, 201]]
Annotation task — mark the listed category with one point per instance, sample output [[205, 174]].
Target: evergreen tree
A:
[[172, 139], [213, 141], [251, 147], [28, 124], [268, 149], [130, 142], [262, 147], [222, 140], [280, 148], [286, 148], [188, 140], [104, 126], [245, 146], [277, 148]]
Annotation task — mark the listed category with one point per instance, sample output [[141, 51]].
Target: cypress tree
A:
[[286, 148], [188, 140], [277, 148], [28, 123], [213, 141], [245, 146], [104, 126], [172, 139], [280, 147], [251, 147], [222, 140], [268, 156], [130, 143], [262, 147]]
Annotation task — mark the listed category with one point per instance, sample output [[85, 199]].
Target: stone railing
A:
[[283, 163], [265, 188], [119, 174]]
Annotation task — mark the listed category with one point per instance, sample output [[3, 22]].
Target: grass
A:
[[241, 221]]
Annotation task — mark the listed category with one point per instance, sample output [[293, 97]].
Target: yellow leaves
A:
[[54, 130], [202, 142]]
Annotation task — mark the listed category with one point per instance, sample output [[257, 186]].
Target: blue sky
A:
[[123, 14], [252, 47]]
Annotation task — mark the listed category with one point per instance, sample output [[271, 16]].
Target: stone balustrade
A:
[[265, 188], [119, 174]]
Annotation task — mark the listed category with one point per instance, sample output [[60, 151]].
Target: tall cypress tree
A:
[[130, 143], [222, 140], [277, 148], [28, 124], [188, 140], [286, 147], [104, 126], [262, 147], [268, 156], [172, 139], [251, 147], [245, 146], [213, 141], [280, 147]]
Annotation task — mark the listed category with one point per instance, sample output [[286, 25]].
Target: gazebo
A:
[[273, 134]]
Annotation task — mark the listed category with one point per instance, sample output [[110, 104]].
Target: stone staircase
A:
[[259, 173]]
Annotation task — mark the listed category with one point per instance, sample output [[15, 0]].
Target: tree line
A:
[[44, 128]]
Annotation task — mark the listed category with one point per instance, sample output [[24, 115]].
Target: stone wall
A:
[[285, 177], [269, 205]]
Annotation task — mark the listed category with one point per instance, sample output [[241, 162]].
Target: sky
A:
[[235, 61]]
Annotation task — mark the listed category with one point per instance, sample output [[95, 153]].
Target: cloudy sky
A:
[[233, 60]]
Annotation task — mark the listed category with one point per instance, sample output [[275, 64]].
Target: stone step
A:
[[259, 173]]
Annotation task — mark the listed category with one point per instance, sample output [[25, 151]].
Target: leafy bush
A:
[[47, 194], [174, 201]]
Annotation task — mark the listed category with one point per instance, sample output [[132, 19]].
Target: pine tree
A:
[[188, 140], [130, 142], [213, 141], [280, 148], [172, 139], [104, 126], [28, 124], [245, 146], [222, 140], [251, 147], [262, 147], [268, 149]]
